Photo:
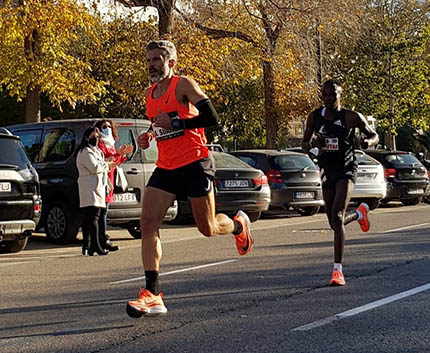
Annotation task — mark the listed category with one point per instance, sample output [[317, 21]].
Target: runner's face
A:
[[330, 96], [158, 66]]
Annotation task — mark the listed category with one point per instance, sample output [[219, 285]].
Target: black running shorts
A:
[[330, 178], [191, 180]]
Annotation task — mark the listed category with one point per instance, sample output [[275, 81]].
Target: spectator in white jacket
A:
[[93, 186]]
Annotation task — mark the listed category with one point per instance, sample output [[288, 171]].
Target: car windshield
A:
[[362, 159], [298, 161], [225, 160], [401, 159], [13, 153]]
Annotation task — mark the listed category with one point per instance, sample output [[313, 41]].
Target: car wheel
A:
[[372, 203], [16, 245], [412, 202], [59, 226], [308, 211], [134, 230], [254, 216]]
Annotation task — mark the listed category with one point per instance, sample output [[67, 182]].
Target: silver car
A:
[[370, 186]]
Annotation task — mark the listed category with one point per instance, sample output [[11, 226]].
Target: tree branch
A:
[[218, 33]]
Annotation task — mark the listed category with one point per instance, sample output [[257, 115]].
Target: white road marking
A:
[[362, 308], [177, 271], [403, 228]]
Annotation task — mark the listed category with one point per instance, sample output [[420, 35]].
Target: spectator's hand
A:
[[144, 139], [125, 149]]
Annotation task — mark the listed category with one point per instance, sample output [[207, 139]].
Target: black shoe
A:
[[85, 251], [91, 252], [111, 247]]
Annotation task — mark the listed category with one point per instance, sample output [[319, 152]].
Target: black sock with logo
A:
[[152, 285]]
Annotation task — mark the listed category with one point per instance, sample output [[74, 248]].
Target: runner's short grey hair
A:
[[167, 46]]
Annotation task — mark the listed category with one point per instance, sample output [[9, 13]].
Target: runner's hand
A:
[[364, 142], [318, 141], [162, 120], [144, 139]]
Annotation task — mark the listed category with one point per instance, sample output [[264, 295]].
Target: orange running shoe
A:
[[244, 240], [364, 221], [148, 304], [337, 278]]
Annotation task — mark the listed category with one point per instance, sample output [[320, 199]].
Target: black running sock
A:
[[237, 227], [152, 285]]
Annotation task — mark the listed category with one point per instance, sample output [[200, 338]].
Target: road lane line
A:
[[407, 227], [362, 308], [177, 271]]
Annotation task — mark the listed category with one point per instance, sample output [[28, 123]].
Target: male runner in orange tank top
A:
[[179, 111]]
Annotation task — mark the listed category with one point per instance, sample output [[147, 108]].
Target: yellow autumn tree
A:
[[35, 58]]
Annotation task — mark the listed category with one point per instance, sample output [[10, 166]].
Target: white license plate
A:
[[366, 176], [416, 191], [304, 195], [126, 197], [236, 183], [5, 187]]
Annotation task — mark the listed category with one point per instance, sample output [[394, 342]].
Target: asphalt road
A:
[[276, 299]]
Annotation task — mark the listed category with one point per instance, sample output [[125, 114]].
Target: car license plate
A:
[[304, 195], [416, 191], [5, 187], [125, 197], [366, 176], [236, 183]]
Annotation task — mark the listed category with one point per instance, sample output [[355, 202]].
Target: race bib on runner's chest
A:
[[331, 144]]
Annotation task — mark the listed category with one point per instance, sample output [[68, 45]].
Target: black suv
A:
[[407, 179], [20, 201], [293, 178], [51, 148]]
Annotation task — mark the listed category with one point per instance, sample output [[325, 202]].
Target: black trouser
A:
[[90, 228], [103, 237]]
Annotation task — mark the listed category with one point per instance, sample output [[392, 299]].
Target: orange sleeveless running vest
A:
[[176, 148]]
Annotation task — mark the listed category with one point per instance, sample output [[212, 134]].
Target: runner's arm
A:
[[193, 94], [370, 137], [307, 135]]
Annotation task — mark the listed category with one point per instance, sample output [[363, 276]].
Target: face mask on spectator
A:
[[93, 141]]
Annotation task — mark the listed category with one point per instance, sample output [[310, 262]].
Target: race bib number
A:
[[164, 134], [331, 144]]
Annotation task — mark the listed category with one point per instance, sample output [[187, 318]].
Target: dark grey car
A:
[[293, 178], [238, 186], [51, 147]]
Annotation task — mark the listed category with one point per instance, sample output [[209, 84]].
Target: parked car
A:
[[20, 200], [293, 178], [51, 148], [237, 187], [407, 179], [370, 186]]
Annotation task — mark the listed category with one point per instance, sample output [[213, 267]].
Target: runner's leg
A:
[[209, 223], [154, 207], [344, 188]]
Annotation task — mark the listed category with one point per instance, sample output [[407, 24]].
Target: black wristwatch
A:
[[177, 124]]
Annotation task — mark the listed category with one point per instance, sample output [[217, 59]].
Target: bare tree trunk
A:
[[32, 99], [165, 12], [269, 105], [32, 105]]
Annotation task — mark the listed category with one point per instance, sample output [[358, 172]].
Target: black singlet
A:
[[336, 159]]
